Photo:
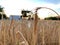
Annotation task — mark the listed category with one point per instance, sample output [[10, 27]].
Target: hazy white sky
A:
[[13, 7]]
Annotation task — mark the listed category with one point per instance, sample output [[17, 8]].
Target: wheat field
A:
[[20, 32]]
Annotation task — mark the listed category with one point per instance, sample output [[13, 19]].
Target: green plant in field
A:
[[52, 18]]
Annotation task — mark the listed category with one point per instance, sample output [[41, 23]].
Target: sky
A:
[[14, 7]]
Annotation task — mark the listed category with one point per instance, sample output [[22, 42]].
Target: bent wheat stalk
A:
[[26, 42]]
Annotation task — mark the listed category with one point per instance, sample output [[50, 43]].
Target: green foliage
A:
[[4, 16], [1, 9], [52, 18]]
